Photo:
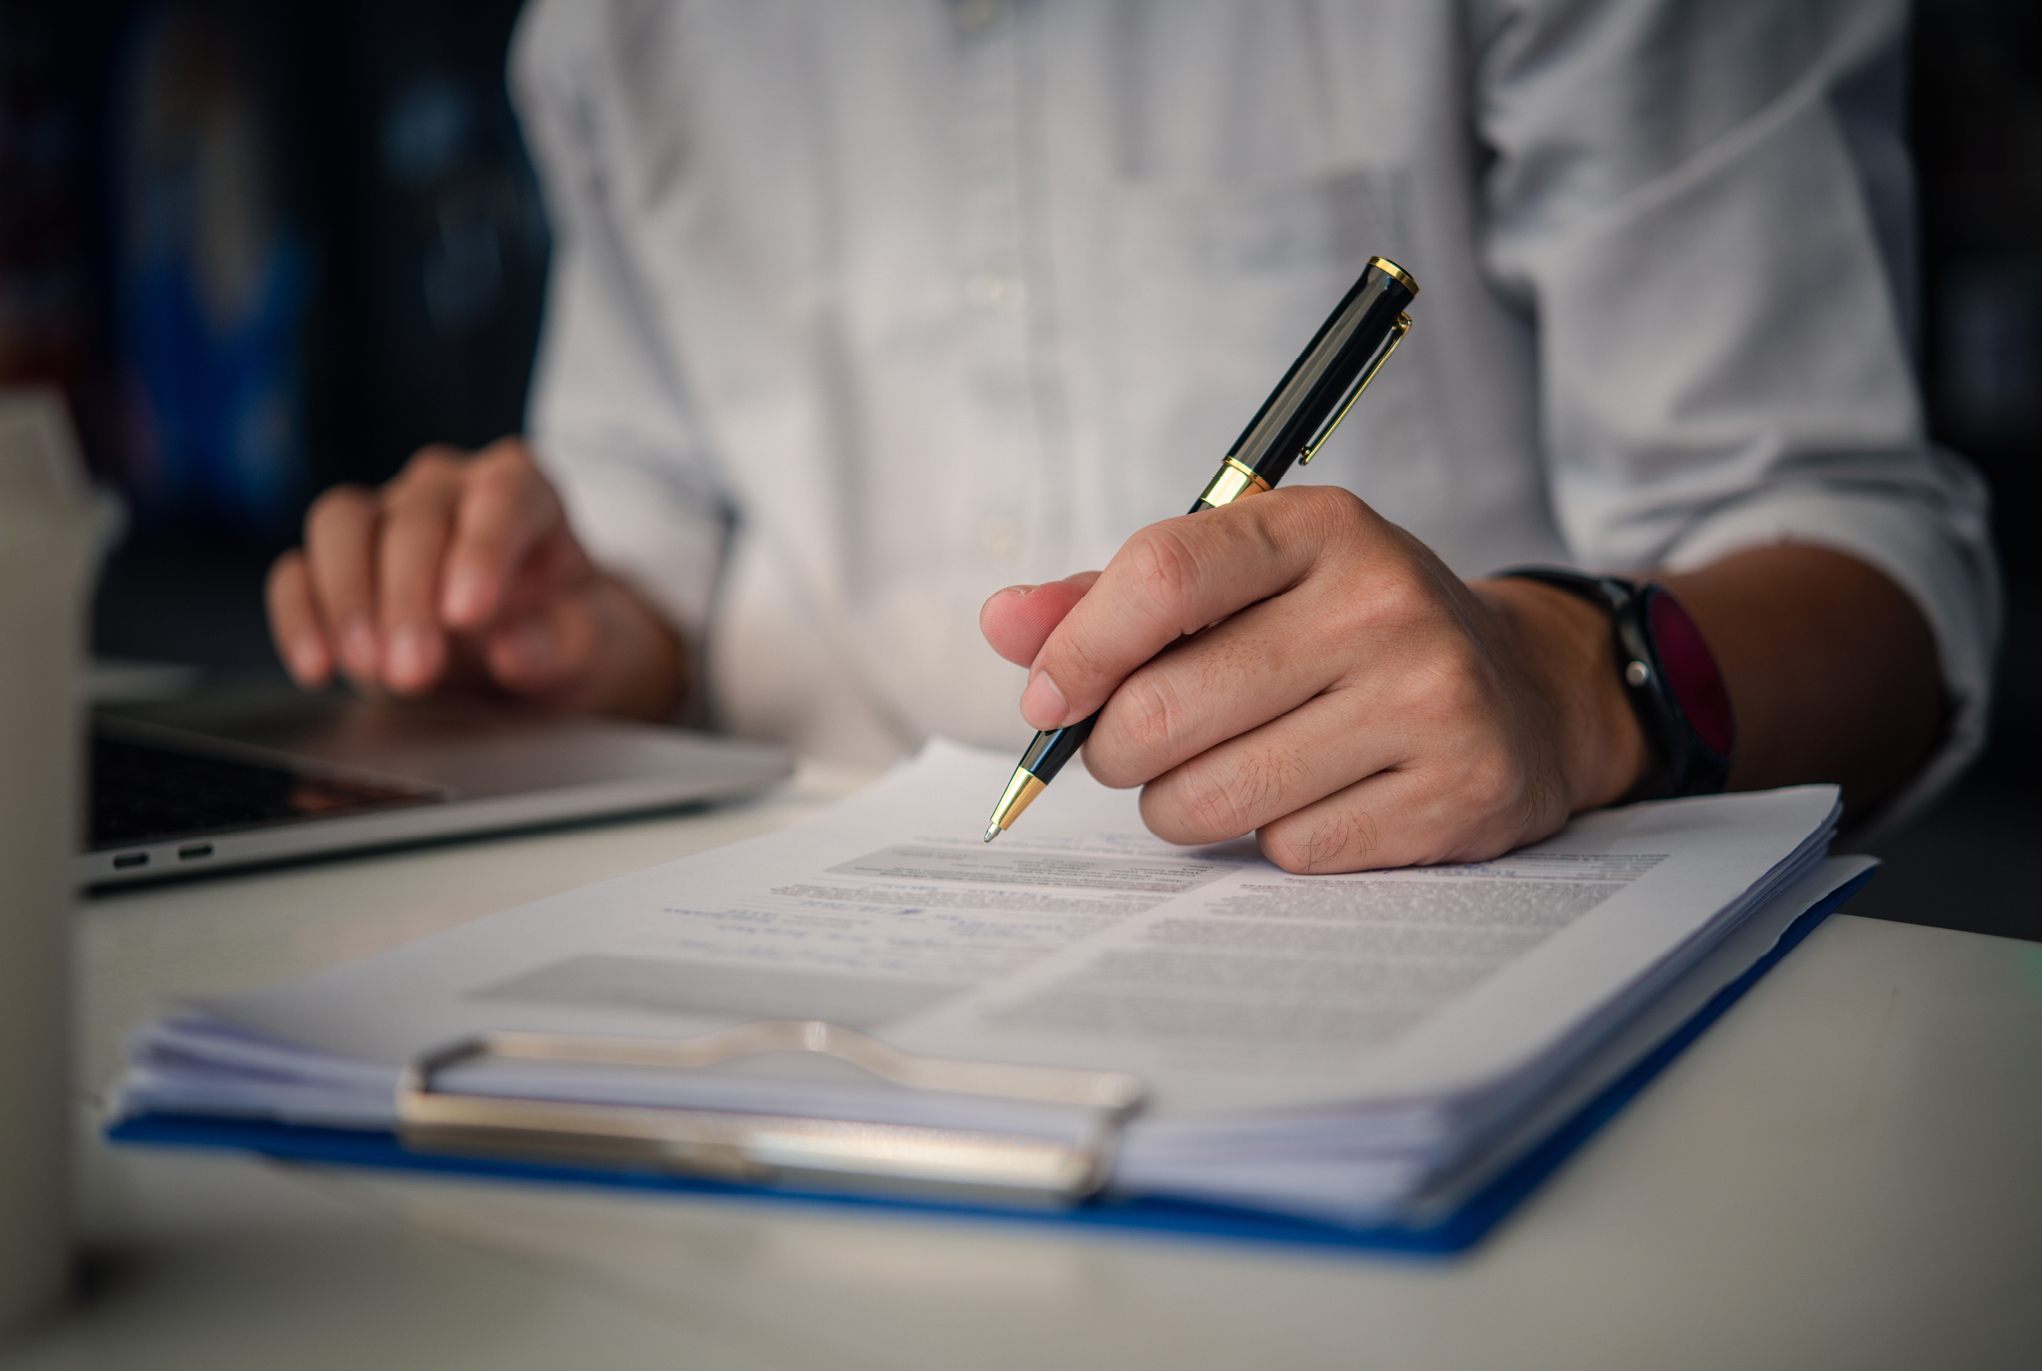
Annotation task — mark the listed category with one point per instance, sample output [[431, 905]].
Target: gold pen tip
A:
[[1024, 786]]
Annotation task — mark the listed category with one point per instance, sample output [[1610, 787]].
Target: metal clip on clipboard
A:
[[762, 1148]]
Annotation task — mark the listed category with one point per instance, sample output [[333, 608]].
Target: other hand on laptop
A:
[[462, 573]]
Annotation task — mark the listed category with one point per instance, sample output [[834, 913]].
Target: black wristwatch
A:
[[1669, 676]]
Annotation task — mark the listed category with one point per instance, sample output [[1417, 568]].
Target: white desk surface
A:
[[1845, 1171]]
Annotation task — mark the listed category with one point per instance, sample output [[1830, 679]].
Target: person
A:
[[859, 311]]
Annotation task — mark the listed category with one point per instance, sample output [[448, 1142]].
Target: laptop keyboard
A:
[[142, 794]]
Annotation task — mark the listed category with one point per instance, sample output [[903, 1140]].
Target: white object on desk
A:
[[45, 546]]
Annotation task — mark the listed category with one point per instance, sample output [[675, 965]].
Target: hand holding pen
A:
[[1296, 666]]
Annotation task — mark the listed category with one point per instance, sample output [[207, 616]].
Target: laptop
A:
[[264, 775]]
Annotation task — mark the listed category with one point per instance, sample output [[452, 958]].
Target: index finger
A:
[[505, 510], [1168, 581]]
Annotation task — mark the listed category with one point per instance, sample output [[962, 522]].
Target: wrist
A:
[[1564, 647], [650, 671], [1670, 679]]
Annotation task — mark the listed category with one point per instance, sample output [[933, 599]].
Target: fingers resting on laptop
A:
[[463, 573]]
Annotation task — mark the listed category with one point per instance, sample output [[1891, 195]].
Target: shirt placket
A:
[[993, 287]]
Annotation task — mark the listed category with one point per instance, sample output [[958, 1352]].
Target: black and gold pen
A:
[[1302, 412]]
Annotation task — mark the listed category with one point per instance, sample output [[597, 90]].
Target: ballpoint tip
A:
[[992, 832]]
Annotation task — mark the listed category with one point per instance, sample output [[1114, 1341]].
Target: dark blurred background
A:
[[265, 248], [269, 247]]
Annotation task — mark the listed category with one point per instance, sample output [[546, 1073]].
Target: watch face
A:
[[1689, 671]]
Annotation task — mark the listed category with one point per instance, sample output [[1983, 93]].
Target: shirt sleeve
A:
[[1707, 211], [608, 417]]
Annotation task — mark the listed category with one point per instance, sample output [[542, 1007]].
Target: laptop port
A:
[[132, 859], [193, 851]]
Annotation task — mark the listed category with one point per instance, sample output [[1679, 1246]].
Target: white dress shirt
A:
[[861, 310]]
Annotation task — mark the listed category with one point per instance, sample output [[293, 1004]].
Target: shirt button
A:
[[993, 290], [1000, 539]]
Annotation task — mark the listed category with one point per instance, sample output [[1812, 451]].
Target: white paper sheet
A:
[[1079, 939]]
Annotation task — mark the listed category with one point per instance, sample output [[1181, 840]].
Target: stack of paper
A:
[[1346, 1048]]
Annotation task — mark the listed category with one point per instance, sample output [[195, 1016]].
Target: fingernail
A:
[[461, 602], [358, 644], [530, 645], [1042, 704], [414, 656], [1020, 590]]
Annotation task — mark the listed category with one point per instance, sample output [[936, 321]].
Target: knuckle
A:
[[1459, 686], [1493, 784], [1163, 569], [1076, 662], [434, 460], [1335, 509], [1261, 784], [1147, 714], [1212, 808], [400, 498], [488, 497], [509, 457], [1212, 803], [1326, 519], [1329, 838], [509, 445], [430, 472], [500, 469], [1181, 809], [1402, 599], [334, 505], [504, 487], [412, 500]]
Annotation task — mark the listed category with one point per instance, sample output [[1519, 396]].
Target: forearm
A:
[[1832, 670]]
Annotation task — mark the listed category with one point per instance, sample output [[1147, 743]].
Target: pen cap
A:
[[1329, 374]]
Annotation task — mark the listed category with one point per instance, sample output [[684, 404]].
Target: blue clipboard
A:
[[1457, 1231]]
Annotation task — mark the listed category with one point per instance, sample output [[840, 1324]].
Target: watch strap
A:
[[1669, 676]]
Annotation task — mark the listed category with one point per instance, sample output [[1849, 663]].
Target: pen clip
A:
[[1368, 372]]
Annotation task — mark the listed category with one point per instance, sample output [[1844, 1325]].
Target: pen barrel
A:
[[1051, 749], [1329, 375]]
